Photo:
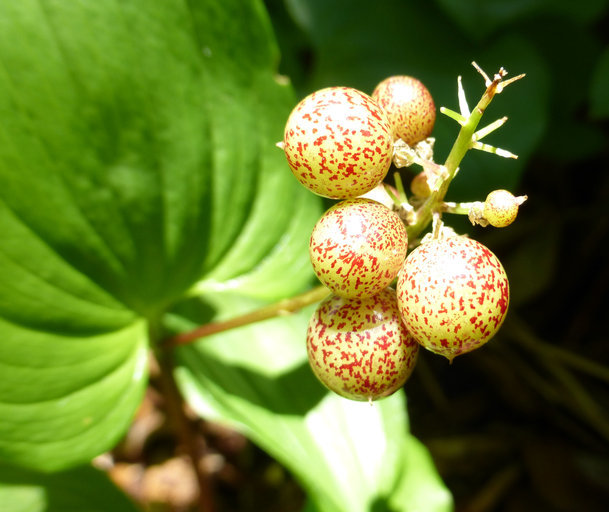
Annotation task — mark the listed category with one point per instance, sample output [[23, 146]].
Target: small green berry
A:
[[501, 208], [419, 186]]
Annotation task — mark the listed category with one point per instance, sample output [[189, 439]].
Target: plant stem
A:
[[283, 307], [460, 147], [174, 405], [459, 208]]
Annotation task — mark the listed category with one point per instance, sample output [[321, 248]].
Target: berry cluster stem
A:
[[283, 307], [462, 145]]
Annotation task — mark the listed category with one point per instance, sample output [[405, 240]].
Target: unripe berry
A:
[[409, 107], [453, 294], [501, 208], [338, 142], [359, 348], [358, 247], [419, 186]]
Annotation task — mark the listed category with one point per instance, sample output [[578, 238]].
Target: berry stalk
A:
[[283, 307], [464, 142]]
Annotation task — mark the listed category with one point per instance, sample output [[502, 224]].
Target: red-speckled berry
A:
[[359, 348], [409, 107], [501, 208], [453, 294], [338, 143], [357, 247]]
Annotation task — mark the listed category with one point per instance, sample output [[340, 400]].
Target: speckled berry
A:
[[357, 247], [359, 348], [453, 294], [409, 107], [338, 143], [501, 208]]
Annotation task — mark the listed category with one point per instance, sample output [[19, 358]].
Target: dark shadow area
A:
[[381, 505]]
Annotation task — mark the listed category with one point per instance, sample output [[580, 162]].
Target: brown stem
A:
[[186, 431], [283, 307]]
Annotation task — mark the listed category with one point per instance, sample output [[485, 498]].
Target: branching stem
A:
[[460, 148], [458, 208]]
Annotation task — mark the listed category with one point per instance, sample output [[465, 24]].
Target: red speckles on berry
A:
[[455, 322], [359, 348], [338, 142], [358, 247], [409, 107]]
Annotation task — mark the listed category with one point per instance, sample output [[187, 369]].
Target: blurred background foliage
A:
[[524, 423]]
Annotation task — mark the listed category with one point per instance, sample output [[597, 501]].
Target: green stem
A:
[[399, 185], [458, 208], [283, 307], [460, 148]]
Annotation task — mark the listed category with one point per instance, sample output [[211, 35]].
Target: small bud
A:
[[501, 208], [435, 175], [419, 186]]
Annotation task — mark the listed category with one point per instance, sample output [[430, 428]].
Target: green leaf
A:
[[532, 262], [64, 399], [481, 18], [349, 456], [82, 489], [599, 92], [569, 137], [145, 133], [137, 164]]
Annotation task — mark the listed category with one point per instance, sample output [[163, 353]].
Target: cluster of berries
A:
[[451, 294]]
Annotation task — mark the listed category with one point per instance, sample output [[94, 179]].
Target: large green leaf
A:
[[65, 399], [350, 456], [599, 90], [137, 164], [480, 18], [81, 489]]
